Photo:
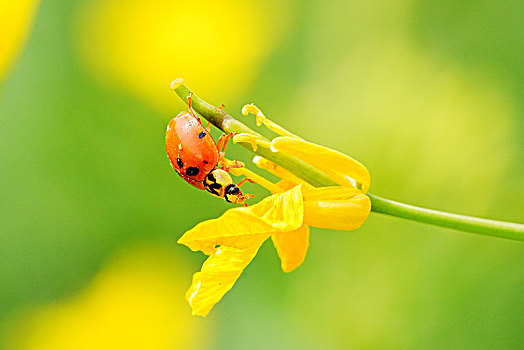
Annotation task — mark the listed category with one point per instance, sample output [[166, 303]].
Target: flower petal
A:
[[279, 212], [343, 169], [329, 193], [218, 275], [292, 247], [232, 241], [346, 214], [261, 119], [259, 180], [289, 180]]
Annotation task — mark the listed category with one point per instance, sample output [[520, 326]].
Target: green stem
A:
[[439, 218], [228, 124]]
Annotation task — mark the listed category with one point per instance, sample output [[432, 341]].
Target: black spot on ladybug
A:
[[205, 162], [201, 135], [192, 171], [179, 162]]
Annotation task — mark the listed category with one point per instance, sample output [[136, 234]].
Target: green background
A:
[[429, 95]]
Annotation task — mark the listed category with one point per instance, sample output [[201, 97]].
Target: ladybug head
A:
[[232, 194]]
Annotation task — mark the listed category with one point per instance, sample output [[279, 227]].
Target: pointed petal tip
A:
[[288, 269], [292, 247], [199, 313]]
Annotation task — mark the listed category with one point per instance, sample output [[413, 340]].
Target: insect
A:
[[196, 157]]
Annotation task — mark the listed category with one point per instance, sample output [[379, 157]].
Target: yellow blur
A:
[[134, 303], [218, 46], [16, 18]]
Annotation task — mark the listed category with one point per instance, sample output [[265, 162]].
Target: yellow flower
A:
[[232, 240], [16, 18]]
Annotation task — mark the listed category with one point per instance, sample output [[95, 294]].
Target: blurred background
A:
[[428, 94]]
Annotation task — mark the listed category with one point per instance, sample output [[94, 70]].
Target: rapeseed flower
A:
[[232, 240]]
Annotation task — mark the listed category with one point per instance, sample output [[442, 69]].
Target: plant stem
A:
[[439, 218], [228, 124]]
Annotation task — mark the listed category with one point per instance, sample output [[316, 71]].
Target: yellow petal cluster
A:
[[232, 240]]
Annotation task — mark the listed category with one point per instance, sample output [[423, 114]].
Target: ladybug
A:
[[195, 156]]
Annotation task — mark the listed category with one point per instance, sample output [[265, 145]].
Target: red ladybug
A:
[[195, 156]]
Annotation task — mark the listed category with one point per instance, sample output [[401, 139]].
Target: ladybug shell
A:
[[192, 151]]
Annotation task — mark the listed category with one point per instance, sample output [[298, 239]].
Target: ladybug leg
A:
[[223, 140], [246, 196], [207, 126], [244, 181], [261, 119], [189, 98]]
